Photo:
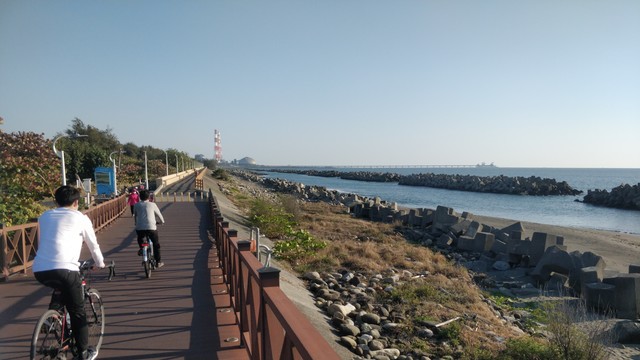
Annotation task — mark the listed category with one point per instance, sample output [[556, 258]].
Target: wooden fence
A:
[[199, 183], [19, 243], [189, 196], [271, 326]]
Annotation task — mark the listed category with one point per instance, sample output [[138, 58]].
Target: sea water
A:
[[552, 210]]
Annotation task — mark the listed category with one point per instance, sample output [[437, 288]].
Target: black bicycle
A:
[[52, 337]]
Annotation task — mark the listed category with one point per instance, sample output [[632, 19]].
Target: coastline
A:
[[619, 250], [556, 210]]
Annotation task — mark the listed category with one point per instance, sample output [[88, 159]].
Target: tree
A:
[[87, 153], [29, 172], [210, 163]]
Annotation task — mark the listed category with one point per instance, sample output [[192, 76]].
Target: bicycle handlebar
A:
[[88, 264]]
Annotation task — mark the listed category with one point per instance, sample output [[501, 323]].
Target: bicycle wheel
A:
[[147, 268], [95, 317], [152, 257], [47, 339]]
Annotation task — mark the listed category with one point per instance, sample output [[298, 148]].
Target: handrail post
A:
[[224, 225], [25, 254], [268, 277], [3, 253], [244, 250], [229, 262]]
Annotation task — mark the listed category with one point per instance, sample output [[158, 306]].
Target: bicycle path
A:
[[172, 315]]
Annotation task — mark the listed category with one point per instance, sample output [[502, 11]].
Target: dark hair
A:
[[66, 195], [144, 195]]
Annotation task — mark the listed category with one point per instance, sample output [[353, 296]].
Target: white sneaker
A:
[[159, 265]]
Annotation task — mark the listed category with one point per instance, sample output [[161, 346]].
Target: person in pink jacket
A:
[[133, 199]]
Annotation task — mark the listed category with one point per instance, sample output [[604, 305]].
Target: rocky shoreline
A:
[[519, 185]]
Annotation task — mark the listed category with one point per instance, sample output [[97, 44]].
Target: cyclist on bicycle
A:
[[146, 213], [62, 232]]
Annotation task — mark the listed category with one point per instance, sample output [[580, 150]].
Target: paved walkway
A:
[[172, 315]]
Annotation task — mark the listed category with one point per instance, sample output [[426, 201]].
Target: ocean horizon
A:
[[553, 210]]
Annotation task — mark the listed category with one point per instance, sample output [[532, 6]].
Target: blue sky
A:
[[362, 82]]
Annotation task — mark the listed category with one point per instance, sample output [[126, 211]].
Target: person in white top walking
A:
[[63, 230], [146, 215]]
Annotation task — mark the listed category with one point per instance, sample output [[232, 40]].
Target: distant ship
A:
[[485, 165]]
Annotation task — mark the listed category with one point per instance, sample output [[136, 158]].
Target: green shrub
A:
[[220, 174], [539, 314], [451, 333], [17, 211], [527, 348], [273, 221], [298, 245]]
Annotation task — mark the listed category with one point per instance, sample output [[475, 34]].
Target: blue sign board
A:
[[105, 181]]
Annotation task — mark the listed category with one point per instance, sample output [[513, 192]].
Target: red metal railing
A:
[[271, 325], [19, 243]]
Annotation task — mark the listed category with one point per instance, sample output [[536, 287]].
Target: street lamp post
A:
[[60, 154], [146, 173], [176, 163], [115, 177], [166, 161]]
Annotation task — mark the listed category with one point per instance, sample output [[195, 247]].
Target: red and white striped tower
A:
[[217, 146]]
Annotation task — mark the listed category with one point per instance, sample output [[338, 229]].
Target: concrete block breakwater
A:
[[543, 258], [501, 184], [624, 196]]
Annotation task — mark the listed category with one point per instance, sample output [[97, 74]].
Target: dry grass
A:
[[365, 246]]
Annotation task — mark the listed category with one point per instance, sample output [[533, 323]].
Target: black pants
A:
[[153, 235], [67, 292]]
